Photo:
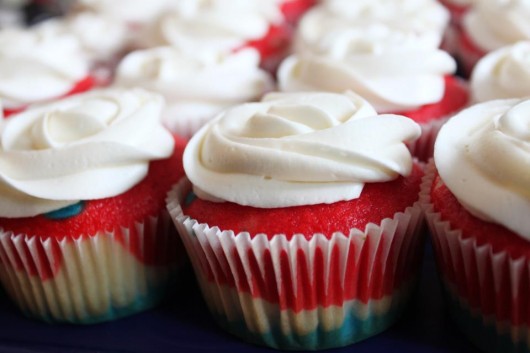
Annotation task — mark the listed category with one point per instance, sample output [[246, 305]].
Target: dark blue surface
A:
[[184, 323]]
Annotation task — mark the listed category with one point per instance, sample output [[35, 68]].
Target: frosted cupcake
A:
[[490, 25], [227, 25], [279, 235], [427, 18], [84, 234], [37, 66], [396, 71], [477, 205], [196, 85], [102, 40], [503, 73]]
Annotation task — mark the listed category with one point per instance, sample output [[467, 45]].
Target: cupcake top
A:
[[492, 24], [503, 73], [483, 156], [212, 24], [297, 149], [38, 65], [135, 12], [423, 17], [89, 146], [195, 84], [394, 70], [100, 37]]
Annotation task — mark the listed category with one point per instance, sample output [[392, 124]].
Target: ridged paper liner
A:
[[488, 291], [366, 276], [91, 278]]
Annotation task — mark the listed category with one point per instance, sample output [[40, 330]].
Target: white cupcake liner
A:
[[232, 270], [488, 290], [90, 278]]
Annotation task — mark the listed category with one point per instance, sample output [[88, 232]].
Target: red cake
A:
[[477, 212], [300, 265], [97, 259]]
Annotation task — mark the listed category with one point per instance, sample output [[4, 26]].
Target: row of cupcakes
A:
[[371, 294]]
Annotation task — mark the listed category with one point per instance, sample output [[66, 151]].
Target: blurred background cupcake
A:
[[84, 234], [477, 205], [196, 85], [38, 66], [490, 25], [277, 227], [503, 73]]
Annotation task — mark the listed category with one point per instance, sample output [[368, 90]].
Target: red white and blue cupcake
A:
[[277, 227], [84, 233], [477, 204]]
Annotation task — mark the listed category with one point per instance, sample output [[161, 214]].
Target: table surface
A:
[[184, 323]]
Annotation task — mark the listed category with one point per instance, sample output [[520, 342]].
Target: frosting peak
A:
[[309, 148], [88, 146], [483, 156]]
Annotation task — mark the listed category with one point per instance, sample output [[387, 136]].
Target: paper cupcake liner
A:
[[488, 291], [300, 293], [91, 278]]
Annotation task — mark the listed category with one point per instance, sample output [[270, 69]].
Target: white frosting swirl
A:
[[37, 65], [100, 37], [298, 149], [195, 85], [130, 11], [425, 18], [393, 70], [88, 146], [213, 24], [483, 156], [492, 24], [504, 73]]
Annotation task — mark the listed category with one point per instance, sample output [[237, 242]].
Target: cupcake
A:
[[203, 25], [84, 233], [490, 25], [427, 18], [102, 40], [396, 71], [503, 73], [295, 241], [476, 200], [196, 85], [38, 66]]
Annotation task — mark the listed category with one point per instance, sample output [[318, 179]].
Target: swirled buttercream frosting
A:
[[492, 24], [393, 70], [129, 11], [213, 24], [298, 149], [503, 73], [483, 156], [426, 18], [38, 65], [85, 147], [195, 84]]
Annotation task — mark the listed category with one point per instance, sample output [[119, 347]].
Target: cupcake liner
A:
[[487, 291], [304, 294], [91, 278]]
